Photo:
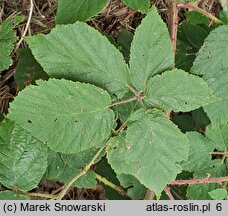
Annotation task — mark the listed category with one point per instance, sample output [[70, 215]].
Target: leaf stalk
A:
[[83, 171], [105, 181]]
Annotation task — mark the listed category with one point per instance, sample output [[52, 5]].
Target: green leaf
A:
[[67, 116], [123, 111], [104, 169], [124, 39], [63, 167], [190, 38], [185, 55], [80, 53], [223, 16], [10, 195], [23, 159], [28, 69], [200, 191], [135, 189], [151, 50], [70, 11], [197, 18], [116, 150], [224, 4], [218, 194], [55, 166], [154, 145], [142, 6], [17, 20], [199, 156], [217, 111], [200, 118], [217, 137], [194, 34], [177, 90], [7, 40], [1, 117], [211, 62]]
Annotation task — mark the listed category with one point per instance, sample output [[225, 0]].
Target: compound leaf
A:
[[80, 53], [177, 90], [70, 11], [23, 158], [154, 146], [211, 62], [7, 40], [151, 50], [67, 116], [142, 6]]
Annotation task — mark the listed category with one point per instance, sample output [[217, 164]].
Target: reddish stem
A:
[[122, 102], [199, 181], [173, 23]]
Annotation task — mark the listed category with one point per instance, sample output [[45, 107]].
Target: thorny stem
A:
[[105, 181], [119, 189], [132, 89], [173, 23], [122, 102], [76, 177], [173, 18], [137, 96], [149, 195], [199, 181], [168, 193], [122, 127], [194, 7]]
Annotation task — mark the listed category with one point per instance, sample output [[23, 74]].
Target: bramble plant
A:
[[155, 115]]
